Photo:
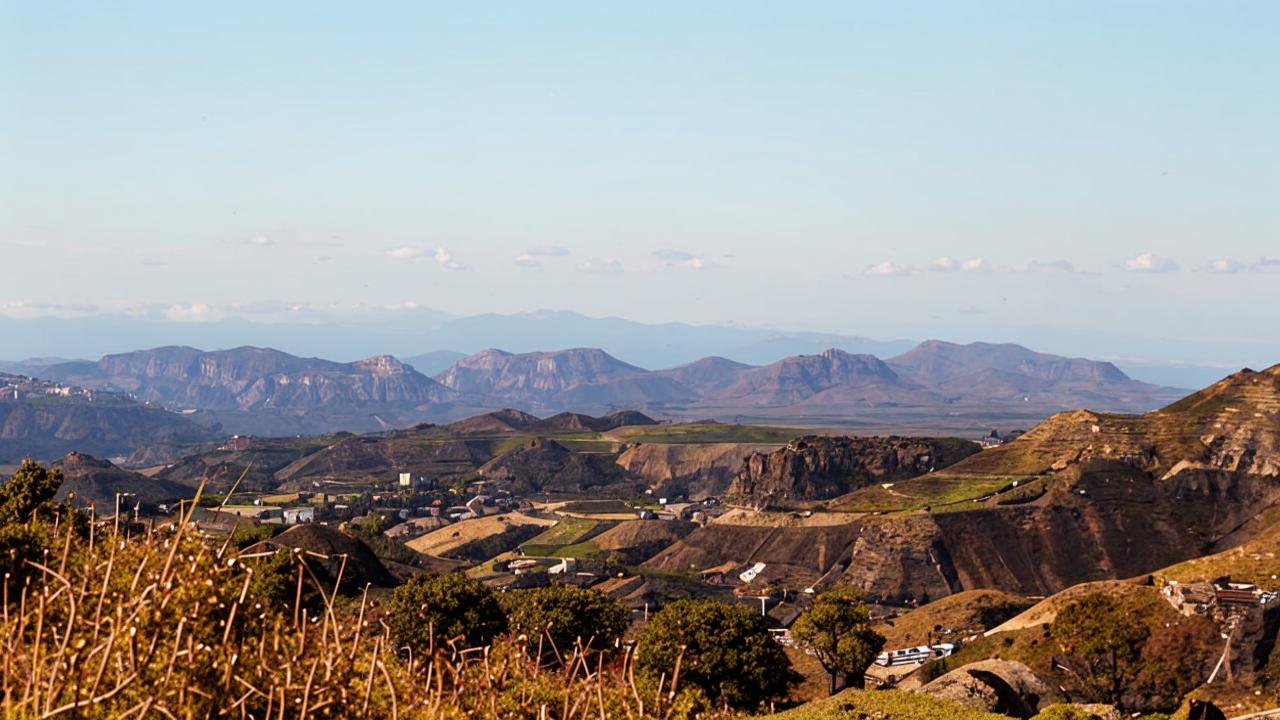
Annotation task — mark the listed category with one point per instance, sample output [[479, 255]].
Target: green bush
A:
[[559, 618], [431, 611], [725, 651]]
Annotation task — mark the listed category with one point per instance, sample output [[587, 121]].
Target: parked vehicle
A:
[[914, 655]]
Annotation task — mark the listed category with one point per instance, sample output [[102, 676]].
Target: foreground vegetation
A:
[[121, 619], [119, 622]]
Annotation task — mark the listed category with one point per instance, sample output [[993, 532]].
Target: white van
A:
[[914, 655]]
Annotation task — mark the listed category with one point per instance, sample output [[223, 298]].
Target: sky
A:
[[1096, 177]]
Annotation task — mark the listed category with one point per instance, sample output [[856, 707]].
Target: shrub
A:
[[559, 618], [432, 610], [725, 651]]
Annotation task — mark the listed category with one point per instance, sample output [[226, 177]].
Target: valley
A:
[[955, 536]]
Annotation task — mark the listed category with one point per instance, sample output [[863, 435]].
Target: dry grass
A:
[[174, 625]]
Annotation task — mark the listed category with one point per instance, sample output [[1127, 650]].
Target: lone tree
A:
[[1103, 639], [559, 618], [837, 629], [431, 611], [27, 507], [723, 650], [28, 495]]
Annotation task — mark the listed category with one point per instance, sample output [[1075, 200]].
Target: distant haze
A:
[[431, 341]]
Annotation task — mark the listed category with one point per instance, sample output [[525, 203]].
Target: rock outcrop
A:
[[819, 468], [998, 686]]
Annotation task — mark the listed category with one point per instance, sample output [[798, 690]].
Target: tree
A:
[[557, 618], [837, 629], [723, 650], [28, 495], [1104, 639], [432, 610]]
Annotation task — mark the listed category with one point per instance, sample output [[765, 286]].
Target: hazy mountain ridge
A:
[[43, 419], [261, 391], [559, 380]]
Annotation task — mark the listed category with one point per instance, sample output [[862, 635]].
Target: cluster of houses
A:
[[407, 509], [17, 387], [1216, 598]]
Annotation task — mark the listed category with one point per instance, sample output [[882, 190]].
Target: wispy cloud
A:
[[681, 259], [1222, 266], [261, 241], [1052, 267], [441, 255], [533, 256], [888, 269], [36, 309], [970, 310], [1267, 265], [1150, 263], [600, 266]]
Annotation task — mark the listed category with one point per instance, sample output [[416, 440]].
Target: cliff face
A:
[[820, 468], [695, 469]]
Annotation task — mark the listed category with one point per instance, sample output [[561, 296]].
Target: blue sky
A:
[[1077, 175]]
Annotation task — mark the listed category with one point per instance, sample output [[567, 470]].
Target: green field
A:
[[939, 492], [707, 433], [566, 532], [596, 507]]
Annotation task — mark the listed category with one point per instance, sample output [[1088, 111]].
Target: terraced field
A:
[[451, 537]]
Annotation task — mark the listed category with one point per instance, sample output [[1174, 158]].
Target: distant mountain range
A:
[[264, 391], [407, 333], [935, 386]]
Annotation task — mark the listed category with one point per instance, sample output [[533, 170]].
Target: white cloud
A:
[[1150, 263], [681, 259], [1222, 266], [970, 310], [442, 255], [527, 260], [445, 258], [260, 241], [600, 266], [888, 269], [947, 263], [195, 312], [407, 253]]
